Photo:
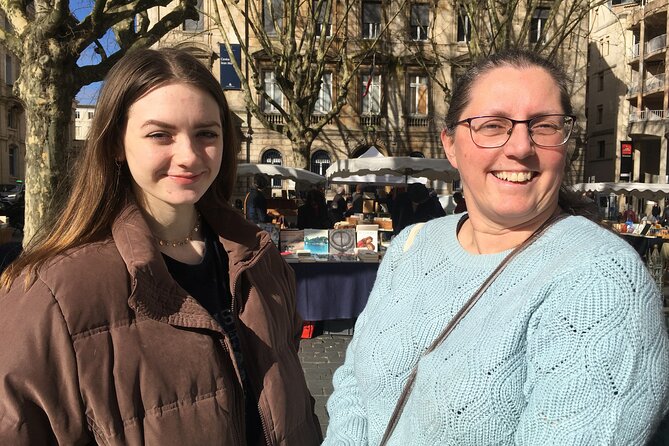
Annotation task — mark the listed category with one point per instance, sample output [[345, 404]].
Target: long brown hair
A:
[[101, 185]]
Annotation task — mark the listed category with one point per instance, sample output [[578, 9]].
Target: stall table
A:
[[333, 290], [642, 243]]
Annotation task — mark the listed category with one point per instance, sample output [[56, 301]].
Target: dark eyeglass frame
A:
[[468, 121]]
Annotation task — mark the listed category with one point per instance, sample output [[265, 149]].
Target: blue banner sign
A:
[[229, 78]]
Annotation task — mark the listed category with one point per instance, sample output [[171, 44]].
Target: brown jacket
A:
[[105, 347]]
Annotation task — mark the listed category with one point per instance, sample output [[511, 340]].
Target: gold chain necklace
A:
[[175, 243]]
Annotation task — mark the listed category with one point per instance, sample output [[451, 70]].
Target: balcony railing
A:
[[316, 119], [656, 44], [274, 118], [368, 120], [417, 121], [634, 51], [648, 115], [651, 84], [624, 2]]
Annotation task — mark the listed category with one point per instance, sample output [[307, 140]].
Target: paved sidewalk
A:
[[320, 357]]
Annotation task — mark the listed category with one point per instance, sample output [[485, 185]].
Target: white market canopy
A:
[[275, 171], [390, 170], [641, 190]]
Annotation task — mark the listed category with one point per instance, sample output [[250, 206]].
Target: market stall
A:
[[283, 210], [285, 173], [390, 170], [649, 191]]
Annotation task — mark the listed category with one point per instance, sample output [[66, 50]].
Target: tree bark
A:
[[301, 154], [45, 88]]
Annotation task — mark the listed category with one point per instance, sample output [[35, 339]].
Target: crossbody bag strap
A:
[[408, 387]]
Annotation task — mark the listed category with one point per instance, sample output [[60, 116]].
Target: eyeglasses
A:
[[490, 132]]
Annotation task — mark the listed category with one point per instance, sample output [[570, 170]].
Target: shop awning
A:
[[648, 191]]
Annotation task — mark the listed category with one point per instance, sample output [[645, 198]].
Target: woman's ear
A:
[[449, 147]]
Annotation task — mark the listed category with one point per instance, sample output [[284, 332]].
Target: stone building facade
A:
[[400, 111], [628, 96], [12, 120]]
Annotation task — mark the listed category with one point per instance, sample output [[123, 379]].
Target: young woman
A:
[[148, 311], [566, 346]]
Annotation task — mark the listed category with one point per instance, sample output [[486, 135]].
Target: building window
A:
[[420, 21], [600, 114], [601, 146], [90, 114], [322, 18], [537, 25], [320, 161], [77, 115], [324, 102], [600, 82], [273, 91], [13, 159], [195, 25], [9, 71], [464, 27], [371, 19], [272, 15], [272, 156], [418, 95], [371, 94], [12, 118]]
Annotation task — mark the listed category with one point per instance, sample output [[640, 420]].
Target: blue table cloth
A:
[[327, 291]]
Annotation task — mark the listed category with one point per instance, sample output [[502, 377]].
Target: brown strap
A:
[[408, 387], [246, 198]]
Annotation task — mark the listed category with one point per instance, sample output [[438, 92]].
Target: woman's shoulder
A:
[[435, 236], [584, 236], [75, 278], [580, 257]]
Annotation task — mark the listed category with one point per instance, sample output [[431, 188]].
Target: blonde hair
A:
[[101, 186]]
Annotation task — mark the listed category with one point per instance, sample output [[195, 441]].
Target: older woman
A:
[[554, 333], [148, 311]]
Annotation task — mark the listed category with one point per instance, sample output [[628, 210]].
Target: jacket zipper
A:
[[261, 414], [234, 292], [264, 424]]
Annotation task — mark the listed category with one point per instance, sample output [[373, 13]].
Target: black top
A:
[[209, 283]]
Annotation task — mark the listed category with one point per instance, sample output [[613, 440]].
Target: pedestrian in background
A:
[[630, 215], [416, 206], [147, 310], [460, 205], [337, 206], [516, 322], [356, 201], [255, 203], [313, 214]]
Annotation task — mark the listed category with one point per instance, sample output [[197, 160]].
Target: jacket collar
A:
[[154, 293]]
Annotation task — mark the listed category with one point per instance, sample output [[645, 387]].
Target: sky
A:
[[88, 94]]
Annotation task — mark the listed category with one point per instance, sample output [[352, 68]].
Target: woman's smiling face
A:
[[517, 183], [173, 145]]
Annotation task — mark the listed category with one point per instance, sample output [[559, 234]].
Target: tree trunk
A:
[[46, 88], [301, 154]]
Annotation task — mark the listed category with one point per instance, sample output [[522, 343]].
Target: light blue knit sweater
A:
[[567, 347]]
